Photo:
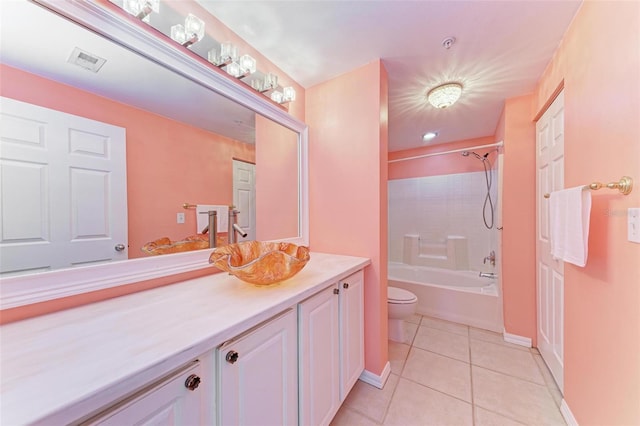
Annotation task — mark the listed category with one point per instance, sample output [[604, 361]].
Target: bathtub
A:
[[459, 296]]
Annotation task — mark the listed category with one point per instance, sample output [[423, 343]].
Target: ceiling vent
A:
[[86, 60]]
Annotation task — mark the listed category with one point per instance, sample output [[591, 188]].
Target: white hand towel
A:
[[202, 220], [569, 212]]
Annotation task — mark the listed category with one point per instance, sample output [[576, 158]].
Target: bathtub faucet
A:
[[488, 275], [491, 258]]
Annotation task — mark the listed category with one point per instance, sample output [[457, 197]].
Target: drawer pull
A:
[[232, 357], [192, 382]]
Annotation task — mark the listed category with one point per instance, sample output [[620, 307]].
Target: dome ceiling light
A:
[[445, 95]]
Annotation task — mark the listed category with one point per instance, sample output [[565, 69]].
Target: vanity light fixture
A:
[[277, 96], [224, 56], [445, 95], [191, 32], [289, 94], [243, 67], [227, 54], [270, 82], [429, 135], [141, 9]]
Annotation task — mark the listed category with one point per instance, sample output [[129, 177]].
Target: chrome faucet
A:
[[491, 258], [488, 275], [234, 230], [212, 228]]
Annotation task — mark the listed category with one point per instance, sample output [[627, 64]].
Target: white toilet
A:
[[401, 304]]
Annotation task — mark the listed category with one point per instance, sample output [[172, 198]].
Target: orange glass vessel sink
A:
[[260, 263]]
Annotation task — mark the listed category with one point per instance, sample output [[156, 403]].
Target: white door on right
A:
[[550, 272]]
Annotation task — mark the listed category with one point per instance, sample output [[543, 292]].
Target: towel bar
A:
[[188, 206], [624, 185]]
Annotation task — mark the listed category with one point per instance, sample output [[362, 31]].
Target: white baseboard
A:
[[374, 379], [516, 340], [567, 414]]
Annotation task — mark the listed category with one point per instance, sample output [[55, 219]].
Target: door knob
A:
[[192, 382], [119, 247], [232, 357]]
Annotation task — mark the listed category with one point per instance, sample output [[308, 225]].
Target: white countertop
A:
[[90, 355]]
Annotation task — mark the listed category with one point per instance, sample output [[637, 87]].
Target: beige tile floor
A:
[[451, 374]]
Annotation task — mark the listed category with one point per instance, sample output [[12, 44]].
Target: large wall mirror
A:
[[184, 127]]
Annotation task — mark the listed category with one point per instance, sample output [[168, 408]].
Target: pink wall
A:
[[276, 181], [168, 162], [599, 62], [517, 130], [437, 165], [347, 120]]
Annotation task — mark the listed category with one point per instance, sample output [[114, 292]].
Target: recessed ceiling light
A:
[[428, 136]]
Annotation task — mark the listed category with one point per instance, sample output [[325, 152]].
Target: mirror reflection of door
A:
[[244, 197], [63, 200]]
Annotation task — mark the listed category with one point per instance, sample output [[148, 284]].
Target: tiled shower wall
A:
[[437, 206]]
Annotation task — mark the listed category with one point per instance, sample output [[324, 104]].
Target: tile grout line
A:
[[404, 364], [473, 402]]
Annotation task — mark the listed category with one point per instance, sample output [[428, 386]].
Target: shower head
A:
[[478, 156]]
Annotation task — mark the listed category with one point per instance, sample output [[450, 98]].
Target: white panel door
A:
[[259, 375], [63, 198], [550, 273], [319, 359], [244, 197], [351, 331]]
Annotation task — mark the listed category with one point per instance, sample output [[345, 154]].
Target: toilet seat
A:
[[400, 296]]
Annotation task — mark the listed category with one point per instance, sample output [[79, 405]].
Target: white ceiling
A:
[[502, 48]]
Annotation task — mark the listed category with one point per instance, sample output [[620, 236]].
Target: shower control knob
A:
[[232, 357], [192, 382], [345, 285]]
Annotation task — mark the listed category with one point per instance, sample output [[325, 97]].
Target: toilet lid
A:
[[398, 295]]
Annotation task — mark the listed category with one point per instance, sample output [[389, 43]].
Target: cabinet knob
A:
[[345, 285], [336, 291], [232, 357], [192, 382]]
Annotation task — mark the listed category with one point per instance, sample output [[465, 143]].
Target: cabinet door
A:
[[259, 375], [318, 358], [169, 402], [351, 331]]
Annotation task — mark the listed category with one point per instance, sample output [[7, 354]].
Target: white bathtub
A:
[[460, 296]]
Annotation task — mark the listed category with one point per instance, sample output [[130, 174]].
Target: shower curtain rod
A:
[[498, 144]]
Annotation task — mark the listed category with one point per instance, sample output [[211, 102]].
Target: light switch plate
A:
[[633, 225], [180, 217]]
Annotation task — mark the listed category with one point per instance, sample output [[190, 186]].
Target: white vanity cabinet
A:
[[277, 355], [258, 375], [331, 356], [184, 397], [319, 357], [351, 331]]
